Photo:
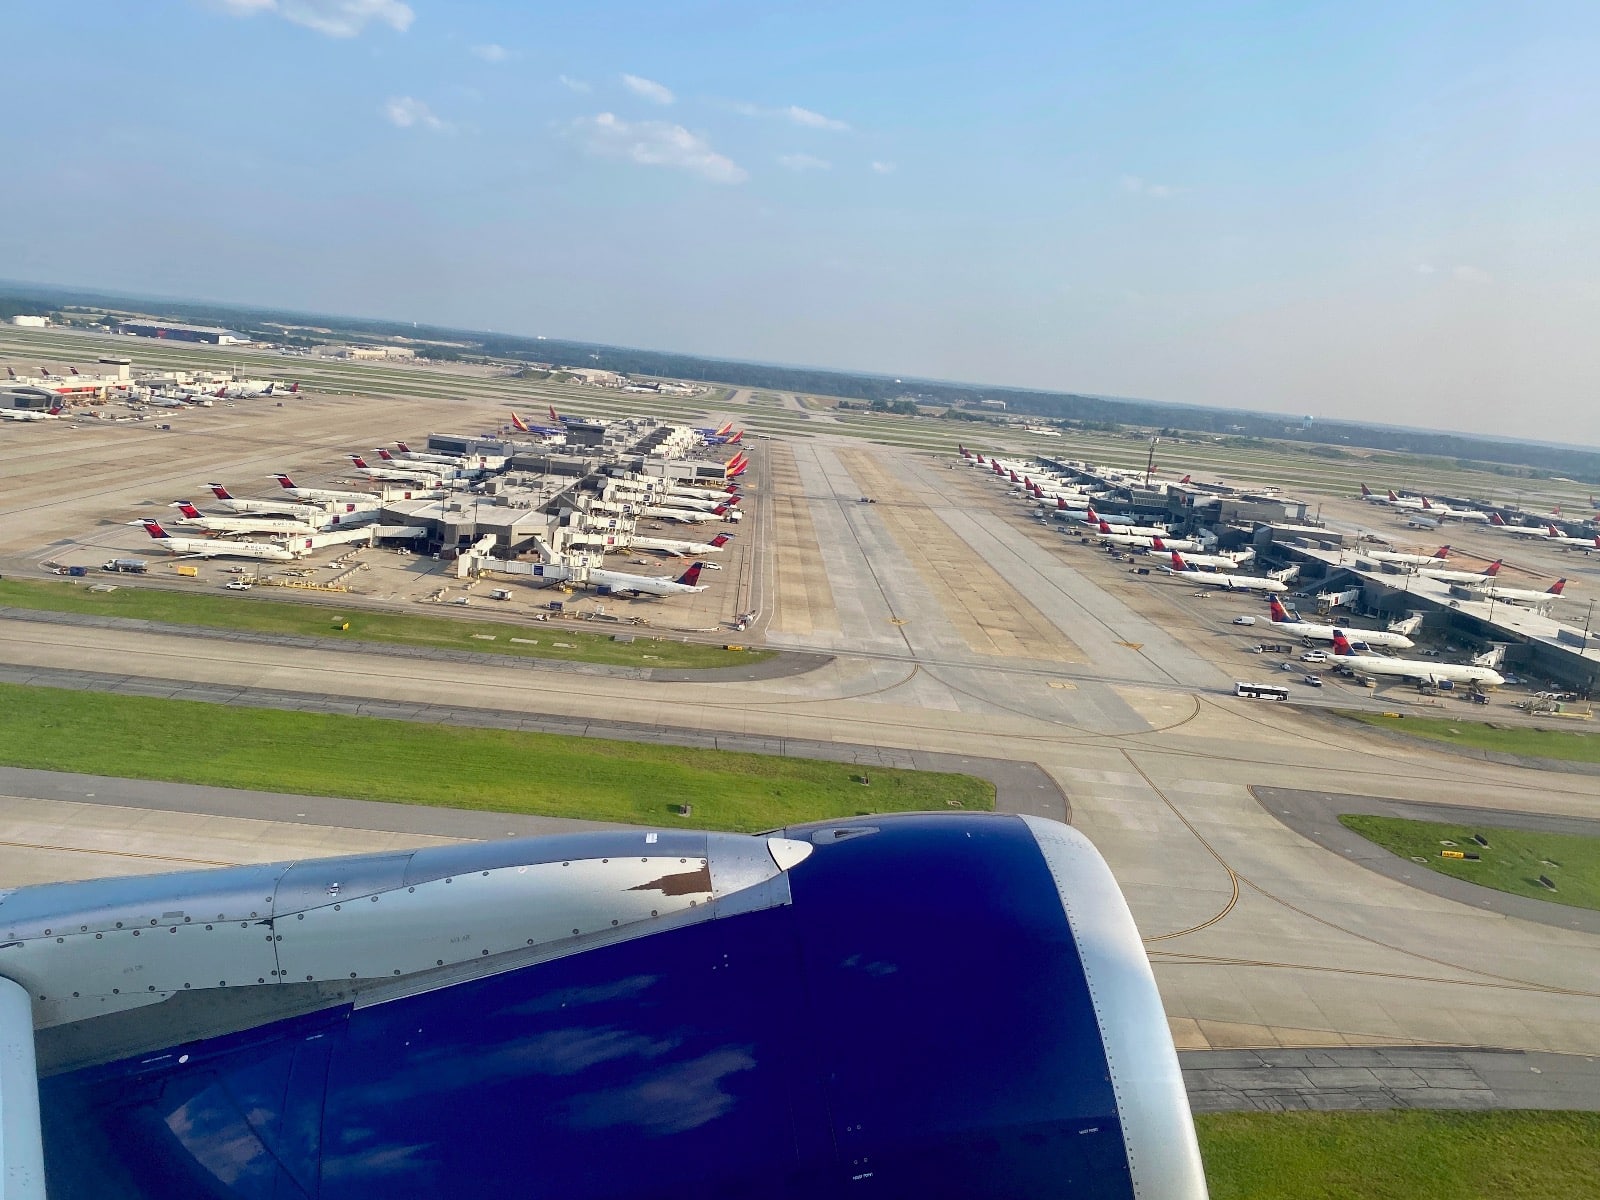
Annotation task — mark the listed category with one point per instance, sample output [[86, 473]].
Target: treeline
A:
[[879, 391]]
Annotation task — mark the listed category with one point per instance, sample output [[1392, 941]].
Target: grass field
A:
[[1511, 862], [1401, 1155], [1538, 743], [232, 611], [449, 766]]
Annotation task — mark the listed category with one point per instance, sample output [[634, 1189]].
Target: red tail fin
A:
[[691, 577], [722, 539], [1061, 503], [187, 509], [1442, 553], [1177, 562], [555, 416], [732, 500], [359, 461], [284, 481], [402, 447], [74, 370], [295, 387], [1493, 568], [1365, 490], [1341, 644], [385, 455], [1392, 496], [1091, 515], [1425, 505], [1157, 545], [220, 492], [1185, 479], [153, 528], [1279, 613], [1494, 519], [1555, 588], [517, 422]]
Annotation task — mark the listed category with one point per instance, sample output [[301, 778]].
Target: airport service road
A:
[[1260, 937]]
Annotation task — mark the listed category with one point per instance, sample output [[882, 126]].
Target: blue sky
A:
[[1365, 210]]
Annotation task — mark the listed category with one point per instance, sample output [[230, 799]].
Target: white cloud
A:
[[804, 162], [336, 18], [491, 52], [884, 168], [407, 112], [792, 113], [1472, 275], [656, 144], [1141, 187], [1427, 269], [574, 85], [656, 93], [812, 120]]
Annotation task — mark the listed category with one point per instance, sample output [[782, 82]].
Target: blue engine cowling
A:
[[937, 1006]]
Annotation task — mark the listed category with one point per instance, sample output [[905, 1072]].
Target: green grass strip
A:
[[1405, 1155], [1511, 862], [451, 766], [539, 639], [1568, 745]]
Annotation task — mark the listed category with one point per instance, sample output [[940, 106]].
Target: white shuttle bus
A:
[[1261, 691]]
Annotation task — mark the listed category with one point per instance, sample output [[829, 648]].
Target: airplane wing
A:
[[630, 1013]]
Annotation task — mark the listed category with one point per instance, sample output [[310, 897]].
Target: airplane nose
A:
[[1157, 1128]]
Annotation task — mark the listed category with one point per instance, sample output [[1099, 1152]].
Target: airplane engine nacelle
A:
[[899, 1006]]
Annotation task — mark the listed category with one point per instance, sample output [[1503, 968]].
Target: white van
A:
[[1244, 620]]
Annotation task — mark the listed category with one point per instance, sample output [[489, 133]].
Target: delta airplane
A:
[[1111, 525], [1158, 543], [1282, 622], [686, 515], [1223, 561], [1408, 560], [306, 512], [1223, 579], [1555, 536], [394, 475], [324, 494], [1488, 573], [243, 524], [31, 414], [410, 455], [646, 585], [1404, 502], [680, 549], [1445, 512], [671, 500], [1522, 595], [209, 548], [1425, 670]]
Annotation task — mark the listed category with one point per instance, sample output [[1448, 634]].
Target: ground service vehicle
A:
[[1261, 691]]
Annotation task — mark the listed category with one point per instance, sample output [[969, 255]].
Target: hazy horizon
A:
[[1350, 211]]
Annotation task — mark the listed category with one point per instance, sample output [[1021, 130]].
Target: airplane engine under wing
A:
[[899, 1006]]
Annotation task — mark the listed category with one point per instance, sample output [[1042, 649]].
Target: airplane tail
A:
[[1442, 553], [361, 463], [1492, 569], [518, 423], [1552, 531], [1365, 491], [294, 388], [1494, 519], [1104, 528], [187, 509], [402, 447], [385, 455], [722, 430], [74, 370], [1392, 497], [555, 416], [736, 438], [1425, 505], [691, 577], [1091, 515], [1177, 562], [1061, 503], [284, 481], [153, 528], [221, 393], [733, 500], [10, 373], [722, 539], [1185, 479], [1279, 613], [1158, 545], [1555, 588], [1341, 645]]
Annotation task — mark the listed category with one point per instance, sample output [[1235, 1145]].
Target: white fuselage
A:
[[619, 581], [1220, 561], [692, 515], [1517, 595], [1148, 542], [246, 524], [205, 548], [323, 494], [669, 546], [1405, 560], [1324, 633], [1454, 576], [306, 512], [1413, 668], [1233, 583]]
